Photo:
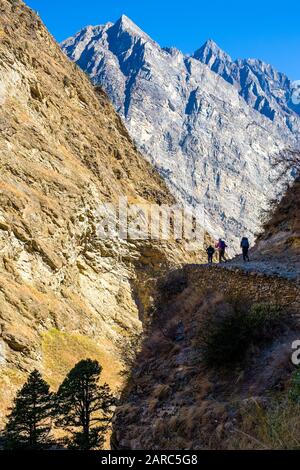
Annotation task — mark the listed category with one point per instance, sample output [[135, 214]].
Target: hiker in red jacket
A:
[[221, 246]]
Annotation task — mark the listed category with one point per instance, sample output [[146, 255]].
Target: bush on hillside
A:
[[176, 283], [226, 335]]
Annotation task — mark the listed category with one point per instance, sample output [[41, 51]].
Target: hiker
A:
[[221, 246], [210, 253], [245, 248]]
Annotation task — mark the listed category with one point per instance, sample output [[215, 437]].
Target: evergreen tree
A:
[[29, 422], [84, 407]]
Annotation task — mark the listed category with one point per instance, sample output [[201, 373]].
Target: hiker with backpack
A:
[[245, 245], [210, 253], [221, 246]]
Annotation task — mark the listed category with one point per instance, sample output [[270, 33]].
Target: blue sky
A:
[[256, 28]]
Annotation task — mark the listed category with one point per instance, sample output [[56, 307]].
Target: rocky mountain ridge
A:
[[263, 88], [208, 124]]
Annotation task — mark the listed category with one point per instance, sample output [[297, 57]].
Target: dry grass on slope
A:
[[175, 398]]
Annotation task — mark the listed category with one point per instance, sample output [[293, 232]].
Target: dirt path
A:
[[268, 267]]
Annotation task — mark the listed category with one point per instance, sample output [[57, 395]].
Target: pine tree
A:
[[84, 407], [29, 422]]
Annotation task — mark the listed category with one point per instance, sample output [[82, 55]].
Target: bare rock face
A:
[[263, 88], [207, 123], [65, 294], [280, 239]]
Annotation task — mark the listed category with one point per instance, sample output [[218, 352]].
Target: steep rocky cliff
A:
[[209, 124], [281, 236], [65, 293]]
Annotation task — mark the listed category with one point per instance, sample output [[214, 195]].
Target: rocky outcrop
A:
[[208, 124], [280, 238], [65, 293], [262, 87]]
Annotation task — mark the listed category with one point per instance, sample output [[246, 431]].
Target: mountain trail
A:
[[266, 267], [257, 267]]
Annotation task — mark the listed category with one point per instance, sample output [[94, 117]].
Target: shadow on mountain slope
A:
[[214, 370]]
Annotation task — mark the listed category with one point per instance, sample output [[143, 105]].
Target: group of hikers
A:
[[221, 247]]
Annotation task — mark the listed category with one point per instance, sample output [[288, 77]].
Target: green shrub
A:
[[227, 334], [262, 320], [295, 387]]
